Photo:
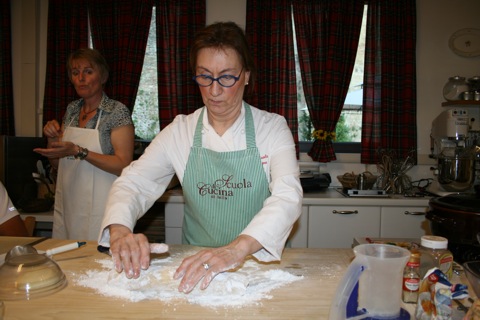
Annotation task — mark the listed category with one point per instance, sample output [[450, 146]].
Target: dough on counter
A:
[[158, 248]]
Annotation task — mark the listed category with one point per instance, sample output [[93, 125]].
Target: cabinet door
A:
[[404, 222], [337, 226], [298, 236], [173, 223]]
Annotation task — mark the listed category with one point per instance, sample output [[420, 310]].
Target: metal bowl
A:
[[456, 173]]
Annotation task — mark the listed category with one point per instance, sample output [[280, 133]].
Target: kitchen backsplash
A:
[[351, 163]]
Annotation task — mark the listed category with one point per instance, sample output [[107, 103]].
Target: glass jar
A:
[[411, 279], [434, 253], [474, 83], [454, 88]]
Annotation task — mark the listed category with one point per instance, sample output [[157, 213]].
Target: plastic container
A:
[[434, 253], [378, 271], [454, 88]]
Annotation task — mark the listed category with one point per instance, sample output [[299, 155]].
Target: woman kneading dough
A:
[[236, 163]]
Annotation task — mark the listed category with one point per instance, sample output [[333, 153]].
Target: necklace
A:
[[85, 114]]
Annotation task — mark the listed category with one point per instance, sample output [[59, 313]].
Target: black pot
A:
[[456, 217]]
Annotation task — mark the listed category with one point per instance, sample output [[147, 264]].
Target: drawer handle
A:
[[414, 213], [345, 212]]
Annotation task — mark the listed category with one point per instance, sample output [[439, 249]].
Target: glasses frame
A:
[[194, 78]]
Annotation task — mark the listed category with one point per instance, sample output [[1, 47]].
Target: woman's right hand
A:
[[52, 130], [130, 252]]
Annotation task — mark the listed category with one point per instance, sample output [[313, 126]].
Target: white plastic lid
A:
[[434, 242]]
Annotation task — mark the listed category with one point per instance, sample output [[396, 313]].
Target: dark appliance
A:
[[313, 182], [17, 163], [457, 218]]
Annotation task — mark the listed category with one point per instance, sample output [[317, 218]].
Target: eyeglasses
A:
[[227, 80]]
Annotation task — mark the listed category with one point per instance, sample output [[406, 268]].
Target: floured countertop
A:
[[247, 285], [301, 286]]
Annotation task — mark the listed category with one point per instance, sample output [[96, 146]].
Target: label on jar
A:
[[411, 284]]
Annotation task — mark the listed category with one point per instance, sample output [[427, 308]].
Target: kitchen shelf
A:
[[461, 103]]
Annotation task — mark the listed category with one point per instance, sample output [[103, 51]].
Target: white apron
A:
[[82, 189]]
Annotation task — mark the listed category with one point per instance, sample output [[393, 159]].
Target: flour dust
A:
[[245, 286]]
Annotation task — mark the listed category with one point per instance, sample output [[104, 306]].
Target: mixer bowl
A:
[[456, 173]]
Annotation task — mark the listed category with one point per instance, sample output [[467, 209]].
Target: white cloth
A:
[[82, 190], [145, 180], [7, 210]]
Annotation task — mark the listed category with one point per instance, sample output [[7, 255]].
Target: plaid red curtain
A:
[[327, 34], [7, 126], [270, 34], [389, 99], [177, 23], [120, 31], [67, 31]]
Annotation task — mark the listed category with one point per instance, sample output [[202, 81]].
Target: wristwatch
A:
[[82, 153]]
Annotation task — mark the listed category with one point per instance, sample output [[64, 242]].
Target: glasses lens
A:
[[227, 80], [203, 80]]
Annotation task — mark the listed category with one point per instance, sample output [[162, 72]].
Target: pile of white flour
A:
[[242, 287]]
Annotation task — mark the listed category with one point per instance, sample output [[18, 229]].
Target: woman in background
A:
[[90, 148]]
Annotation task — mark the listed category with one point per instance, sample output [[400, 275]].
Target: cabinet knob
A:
[[414, 213], [345, 212]]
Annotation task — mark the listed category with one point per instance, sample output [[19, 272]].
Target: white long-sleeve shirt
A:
[[7, 210], [146, 179]]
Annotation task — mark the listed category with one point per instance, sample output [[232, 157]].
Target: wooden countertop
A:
[[308, 298]]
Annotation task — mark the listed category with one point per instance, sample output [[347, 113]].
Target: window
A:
[[145, 111], [349, 126], [348, 130]]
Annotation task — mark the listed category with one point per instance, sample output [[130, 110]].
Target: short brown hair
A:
[[225, 35], [94, 57]]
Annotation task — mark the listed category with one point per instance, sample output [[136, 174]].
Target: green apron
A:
[[223, 191]]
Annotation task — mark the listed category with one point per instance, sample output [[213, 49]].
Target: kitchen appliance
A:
[[457, 218], [314, 182], [372, 285], [454, 140]]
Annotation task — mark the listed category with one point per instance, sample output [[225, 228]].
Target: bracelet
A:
[[82, 153]]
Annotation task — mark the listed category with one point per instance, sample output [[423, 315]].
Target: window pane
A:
[[145, 111], [349, 126]]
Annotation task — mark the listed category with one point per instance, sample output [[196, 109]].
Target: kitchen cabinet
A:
[[298, 236], [173, 222], [319, 227], [336, 226], [403, 222]]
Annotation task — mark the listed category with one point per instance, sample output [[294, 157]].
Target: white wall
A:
[[436, 22]]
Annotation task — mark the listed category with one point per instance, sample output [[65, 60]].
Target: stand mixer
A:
[[454, 143]]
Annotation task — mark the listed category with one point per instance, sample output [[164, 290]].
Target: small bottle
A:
[[434, 253], [411, 279]]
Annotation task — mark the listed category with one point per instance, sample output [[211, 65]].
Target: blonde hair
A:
[[94, 57]]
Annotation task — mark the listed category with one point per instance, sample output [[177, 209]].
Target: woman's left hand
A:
[[58, 149], [208, 263]]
